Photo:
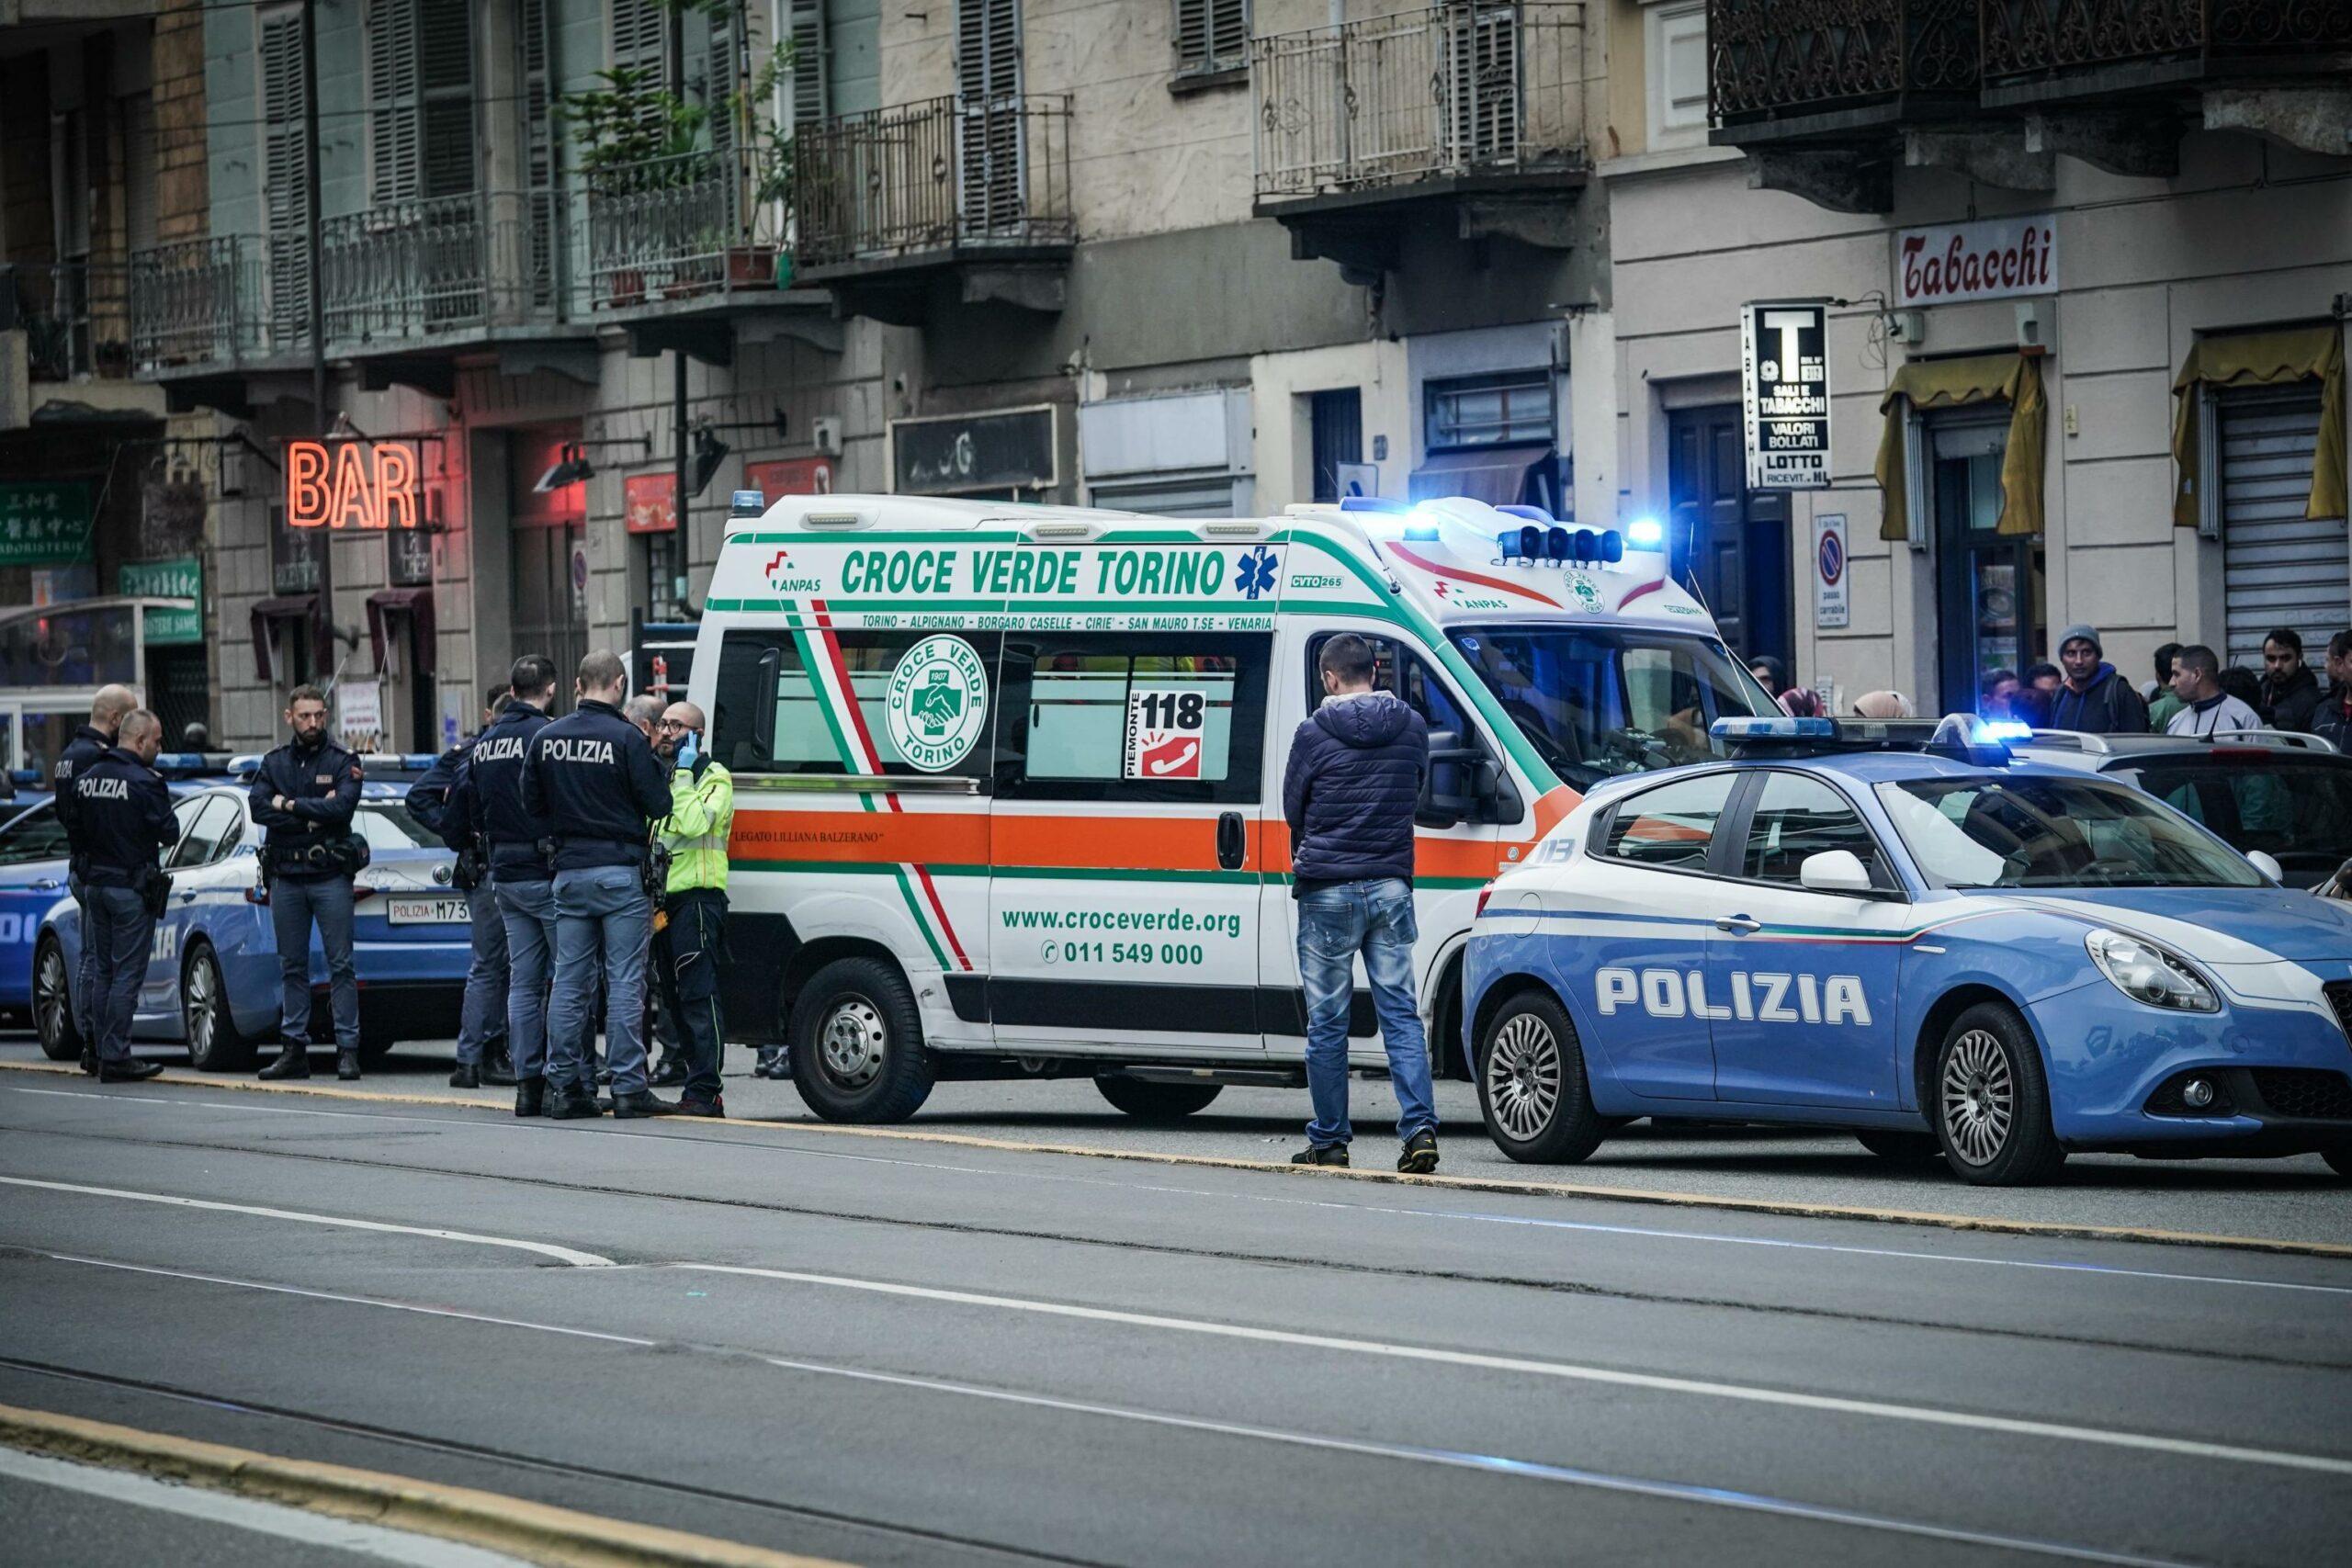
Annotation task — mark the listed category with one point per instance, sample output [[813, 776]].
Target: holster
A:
[[154, 890]]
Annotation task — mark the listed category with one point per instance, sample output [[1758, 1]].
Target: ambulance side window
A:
[[1409, 677], [1175, 717], [774, 714]]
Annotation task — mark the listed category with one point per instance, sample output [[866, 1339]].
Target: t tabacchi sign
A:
[[1991, 260], [1784, 392]]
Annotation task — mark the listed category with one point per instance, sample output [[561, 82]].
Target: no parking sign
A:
[[1829, 598]]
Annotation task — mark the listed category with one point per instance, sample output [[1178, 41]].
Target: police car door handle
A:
[[1738, 925], [1232, 841]]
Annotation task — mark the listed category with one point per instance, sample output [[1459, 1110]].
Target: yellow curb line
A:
[[562, 1538], [1788, 1207]]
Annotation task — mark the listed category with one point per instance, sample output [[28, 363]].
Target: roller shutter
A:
[[2279, 568]]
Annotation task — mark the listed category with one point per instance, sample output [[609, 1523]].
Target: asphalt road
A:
[[885, 1350]]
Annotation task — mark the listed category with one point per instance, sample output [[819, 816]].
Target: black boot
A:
[[497, 1066], [346, 1066], [127, 1071], [673, 1073], [530, 1097], [573, 1104], [293, 1062], [90, 1060], [644, 1103], [466, 1077]]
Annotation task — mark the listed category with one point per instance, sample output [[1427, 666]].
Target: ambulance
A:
[[1008, 779]]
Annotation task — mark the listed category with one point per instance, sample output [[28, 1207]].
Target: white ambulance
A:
[[1008, 779]]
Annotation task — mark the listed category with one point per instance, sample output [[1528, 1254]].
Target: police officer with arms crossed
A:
[[88, 744], [687, 946], [593, 777], [304, 795], [125, 822], [481, 1025]]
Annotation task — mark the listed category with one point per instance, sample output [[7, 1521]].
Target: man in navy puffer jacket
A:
[[1354, 777]]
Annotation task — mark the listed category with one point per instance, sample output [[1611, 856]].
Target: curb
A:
[[535, 1532], [1789, 1208]]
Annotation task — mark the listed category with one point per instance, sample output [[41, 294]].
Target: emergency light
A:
[[1584, 546]]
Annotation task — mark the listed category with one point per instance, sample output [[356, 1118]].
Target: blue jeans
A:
[[484, 1015], [527, 910], [600, 911], [118, 936], [1375, 918], [294, 904]]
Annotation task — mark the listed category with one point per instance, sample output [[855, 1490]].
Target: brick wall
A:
[[183, 195]]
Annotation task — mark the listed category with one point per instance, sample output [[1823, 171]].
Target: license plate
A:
[[426, 911]]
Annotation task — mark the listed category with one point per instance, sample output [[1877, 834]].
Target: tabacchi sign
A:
[[1991, 260], [1784, 392], [350, 484]]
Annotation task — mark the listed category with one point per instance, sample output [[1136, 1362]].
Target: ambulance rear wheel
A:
[[857, 1051], [1532, 1087], [1155, 1101]]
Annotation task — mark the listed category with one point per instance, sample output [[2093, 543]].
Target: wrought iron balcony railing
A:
[[414, 270], [74, 315], [2022, 36], [937, 176], [1448, 89], [675, 228], [195, 302], [1773, 58]]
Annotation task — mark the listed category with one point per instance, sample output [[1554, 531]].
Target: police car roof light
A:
[[748, 503], [1773, 728], [244, 763], [1969, 738], [1646, 534], [1372, 504]]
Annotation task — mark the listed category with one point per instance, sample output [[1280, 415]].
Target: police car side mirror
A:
[[2266, 864], [1835, 871]]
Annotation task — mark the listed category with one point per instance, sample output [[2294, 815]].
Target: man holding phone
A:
[[690, 933]]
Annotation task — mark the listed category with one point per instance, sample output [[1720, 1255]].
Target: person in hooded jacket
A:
[[2289, 691], [1348, 793], [89, 742], [2093, 697]]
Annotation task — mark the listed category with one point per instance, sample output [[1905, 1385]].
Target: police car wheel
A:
[[1992, 1105], [1905, 1148], [213, 1044], [1155, 1101], [857, 1051], [53, 1013], [1532, 1087]]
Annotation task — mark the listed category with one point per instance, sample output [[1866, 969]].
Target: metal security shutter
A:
[[286, 176], [1209, 495], [2277, 568]]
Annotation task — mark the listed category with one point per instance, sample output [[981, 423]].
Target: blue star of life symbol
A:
[[1256, 573]]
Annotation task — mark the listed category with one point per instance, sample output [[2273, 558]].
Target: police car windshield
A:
[[386, 825], [1995, 831], [2298, 809], [36, 835], [1596, 702]]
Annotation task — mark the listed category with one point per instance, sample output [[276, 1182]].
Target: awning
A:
[[1924, 384], [2264, 359], [416, 602], [1499, 476], [290, 607]]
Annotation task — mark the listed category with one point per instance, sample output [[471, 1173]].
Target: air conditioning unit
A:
[[825, 432]]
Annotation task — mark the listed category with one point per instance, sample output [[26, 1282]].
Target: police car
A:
[[1861, 926], [212, 981]]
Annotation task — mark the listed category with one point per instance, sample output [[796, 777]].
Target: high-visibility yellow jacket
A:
[[702, 813]]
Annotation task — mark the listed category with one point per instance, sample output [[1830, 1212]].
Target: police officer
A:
[[125, 820], [487, 800], [687, 947], [304, 794], [89, 743], [592, 776], [482, 1022]]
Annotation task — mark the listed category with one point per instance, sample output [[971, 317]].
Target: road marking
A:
[[546, 1250], [1566, 1371], [675, 1134], [315, 1531]]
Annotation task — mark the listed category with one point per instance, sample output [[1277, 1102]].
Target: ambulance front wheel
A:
[[1532, 1087], [1155, 1101], [857, 1051]]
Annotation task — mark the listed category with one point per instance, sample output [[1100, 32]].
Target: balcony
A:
[[74, 317], [2039, 51], [1827, 71], [887, 201], [1473, 110]]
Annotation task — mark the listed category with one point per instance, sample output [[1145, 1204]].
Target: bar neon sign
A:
[[351, 484]]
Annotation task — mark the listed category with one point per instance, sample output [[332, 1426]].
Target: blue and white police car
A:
[[1905, 934]]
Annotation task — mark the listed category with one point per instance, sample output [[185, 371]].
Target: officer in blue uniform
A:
[[481, 1025], [593, 775], [124, 819], [89, 743], [304, 795], [487, 801]]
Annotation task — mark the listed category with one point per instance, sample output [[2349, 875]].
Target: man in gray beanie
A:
[[2094, 697]]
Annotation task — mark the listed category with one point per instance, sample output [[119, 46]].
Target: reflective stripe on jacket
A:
[[702, 815]]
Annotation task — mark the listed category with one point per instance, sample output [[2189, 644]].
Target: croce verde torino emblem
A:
[[938, 704], [1587, 596]]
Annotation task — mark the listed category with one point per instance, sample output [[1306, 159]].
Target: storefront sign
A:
[[649, 503], [1830, 606], [350, 484], [408, 558], [1991, 260], [790, 476], [974, 454], [1784, 386], [44, 522], [180, 578], [359, 715]]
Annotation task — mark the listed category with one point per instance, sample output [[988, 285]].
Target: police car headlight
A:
[[2146, 973]]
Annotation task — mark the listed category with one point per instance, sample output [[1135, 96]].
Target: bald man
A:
[[90, 742], [688, 944]]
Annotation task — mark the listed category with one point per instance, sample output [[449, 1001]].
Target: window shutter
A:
[[1211, 35], [538, 140], [638, 38], [395, 150], [1483, 80], [284, 175], [987, 81], [806, 82], [445, 83]]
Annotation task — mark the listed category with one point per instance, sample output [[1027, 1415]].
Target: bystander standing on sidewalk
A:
[[2289, 690], [2162, 701], [2207, 709], [2093, 696], [2332, 720]]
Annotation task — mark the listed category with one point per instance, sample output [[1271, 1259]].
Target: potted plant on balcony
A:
[[633, 139], [757, 259]]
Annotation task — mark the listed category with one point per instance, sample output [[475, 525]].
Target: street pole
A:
[[311, 153], [678, 16]]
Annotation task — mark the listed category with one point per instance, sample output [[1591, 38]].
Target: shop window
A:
[[1178, 718], [1488, 410], [775, 714]]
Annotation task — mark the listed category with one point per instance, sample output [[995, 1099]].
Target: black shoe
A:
[[1322, 1154], [531, 1096], [497, 1069], [346, 1066], [715, 1108], [128, 1071], [572, 1107], [673, 1073], [605, 1077], [90, 1060], [1420, 1156], [644, 1103], [466, 1078], [293, 1062]]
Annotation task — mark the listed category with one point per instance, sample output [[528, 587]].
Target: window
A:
[[286, 154], [1409, 677], [1675, 41], [1672, 827], [211, 827], [419, 99], [1212, 35], [1488, 410], [386, 825], [1335, 435], [1179, 717], [2036, 832], [773, 715], [2298, 809], [802, 88], [1796, 816], [37, 835]]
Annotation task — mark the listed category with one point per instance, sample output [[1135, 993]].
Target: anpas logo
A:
[[1587, 596], [1254, 573], [1760, 997], [781, 579], [937, 704]]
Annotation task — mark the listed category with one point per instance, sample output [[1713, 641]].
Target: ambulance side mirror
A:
[[1835, 871], [1459, 780]]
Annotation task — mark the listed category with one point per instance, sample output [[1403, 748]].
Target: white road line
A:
[[319, 1532], [546, 1250], [1567, 1371], [1588, 1227]]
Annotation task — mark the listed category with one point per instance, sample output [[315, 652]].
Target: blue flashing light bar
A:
[[1646, 534], [2004, 730], [1784, 728], [1585, 547], [747, 503], [1372, 504]]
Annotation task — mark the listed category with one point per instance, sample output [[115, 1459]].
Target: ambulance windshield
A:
[[1596, 702]]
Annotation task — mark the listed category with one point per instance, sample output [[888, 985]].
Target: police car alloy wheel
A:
[[59, 1040], [1532, 1087], [213, 1044], [1990, 1103], [857, 1051]]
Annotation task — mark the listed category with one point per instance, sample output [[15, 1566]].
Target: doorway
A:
[[1728, 543], [1989, 585], [549, 560]]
